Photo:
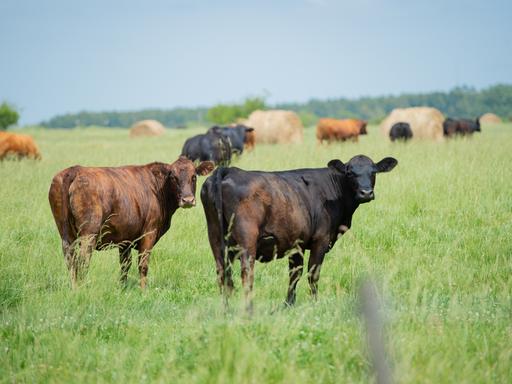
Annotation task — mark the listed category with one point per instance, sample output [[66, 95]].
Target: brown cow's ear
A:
[[336, 164], [248, 129], [205, 168], [386, 164]]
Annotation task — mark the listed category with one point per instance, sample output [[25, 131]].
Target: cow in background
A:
[[18, 145], [462, 127], [400, 131], [239, 135], [340, 130], [212, 146]]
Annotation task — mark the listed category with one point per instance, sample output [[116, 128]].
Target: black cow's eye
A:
[[194, 178]]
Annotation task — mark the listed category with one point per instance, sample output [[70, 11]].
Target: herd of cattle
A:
[[250, 215]]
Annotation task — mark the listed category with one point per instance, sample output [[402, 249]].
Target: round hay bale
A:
[[425, 122], [276, 127], [490, 118], [147, 128]]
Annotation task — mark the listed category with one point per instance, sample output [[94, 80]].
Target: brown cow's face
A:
[[360, 174], [184, 176]]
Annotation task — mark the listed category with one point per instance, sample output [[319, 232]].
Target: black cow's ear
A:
[[336, 164], [386, 164], [205, 168]]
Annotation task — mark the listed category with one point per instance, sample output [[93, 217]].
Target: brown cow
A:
[[334, 129], [19, 145], [129, 206]]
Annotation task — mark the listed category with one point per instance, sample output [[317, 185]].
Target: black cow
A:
[[212, 145], [452, 127], [275, 214], [239, 135], [400, 131]]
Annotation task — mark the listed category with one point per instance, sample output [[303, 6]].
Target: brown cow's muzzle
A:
[[187, 202]]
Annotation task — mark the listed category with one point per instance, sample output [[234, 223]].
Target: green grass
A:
[[437, 240]]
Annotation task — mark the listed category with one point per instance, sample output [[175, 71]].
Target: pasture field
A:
[[437, 240]]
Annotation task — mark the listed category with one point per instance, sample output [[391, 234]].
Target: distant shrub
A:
[[230, 113], [8, 116]]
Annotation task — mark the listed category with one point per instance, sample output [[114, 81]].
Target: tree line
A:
[[458, 102]]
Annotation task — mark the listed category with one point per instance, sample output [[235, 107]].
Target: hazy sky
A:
[[59, 56]]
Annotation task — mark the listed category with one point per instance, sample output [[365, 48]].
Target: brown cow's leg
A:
[[87, 244], [145, 246], [295, 267], [316, 259], [125, 259], [70, 256]]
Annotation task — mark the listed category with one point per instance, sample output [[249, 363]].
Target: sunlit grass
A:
[[436, 239]]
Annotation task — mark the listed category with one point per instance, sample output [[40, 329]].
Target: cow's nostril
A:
[[188, 201]]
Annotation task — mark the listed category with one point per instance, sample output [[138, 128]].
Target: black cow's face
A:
[[184, 176], [360, 174]]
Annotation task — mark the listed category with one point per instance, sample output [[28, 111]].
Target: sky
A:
[[61, 56]]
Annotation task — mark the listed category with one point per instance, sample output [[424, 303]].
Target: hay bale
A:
[[276, 127], [147, 128], [490, 118], [425, 122]]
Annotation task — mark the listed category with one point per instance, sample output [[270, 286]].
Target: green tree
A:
[[230, 113], [8, 116]]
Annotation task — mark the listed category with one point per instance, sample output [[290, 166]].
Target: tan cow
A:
[[18, 145], [339, 130]]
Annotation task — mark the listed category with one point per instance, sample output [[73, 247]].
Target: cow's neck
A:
[[342, 207], [168, 200]]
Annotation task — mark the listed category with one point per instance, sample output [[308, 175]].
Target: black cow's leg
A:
[[295, 267], [246, 236], [228, 275], [145, 246], [316, 259], [125, 260], [247, 260]]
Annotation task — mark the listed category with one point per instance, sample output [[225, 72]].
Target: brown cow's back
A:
[[119, 203]]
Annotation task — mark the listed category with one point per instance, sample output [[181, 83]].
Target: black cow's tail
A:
[[221, 171]]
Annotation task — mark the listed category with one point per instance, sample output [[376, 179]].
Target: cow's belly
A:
[[270, 248]]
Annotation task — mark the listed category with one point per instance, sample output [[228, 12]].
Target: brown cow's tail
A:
[[59, 201]]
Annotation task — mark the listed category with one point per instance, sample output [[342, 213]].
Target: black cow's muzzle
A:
[[187, 202], [365, 195]]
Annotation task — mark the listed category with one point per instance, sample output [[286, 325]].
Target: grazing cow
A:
[[334, 129], [463, 127], [270, 215], [18, 145], [212, 145], [130, 207], [239, 135], [400, 131]]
